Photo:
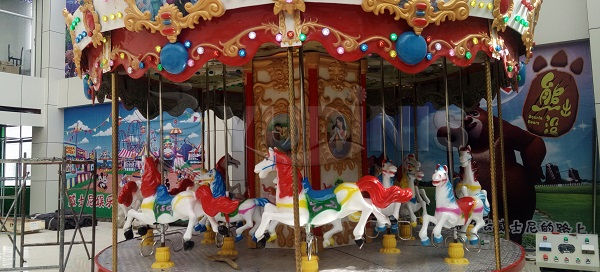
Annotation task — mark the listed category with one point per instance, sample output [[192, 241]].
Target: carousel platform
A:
[[413, 257]]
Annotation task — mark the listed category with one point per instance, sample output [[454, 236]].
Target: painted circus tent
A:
[[329, 102]]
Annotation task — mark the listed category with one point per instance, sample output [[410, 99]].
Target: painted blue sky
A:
[[94, 132]]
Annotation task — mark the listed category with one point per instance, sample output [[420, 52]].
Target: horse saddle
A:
[[162, 195], [318, 195]]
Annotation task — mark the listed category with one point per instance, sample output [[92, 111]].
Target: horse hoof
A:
[[142, 231], [474, 242], [262, 243], [438, 239], [413, 224], [426, 242], [200, 228], [188, 245], [238, 237], [223, 230], [394, 228], [254, 239], [272, 238], [380, 228], [359, 242], [393, 220], [128, 234]]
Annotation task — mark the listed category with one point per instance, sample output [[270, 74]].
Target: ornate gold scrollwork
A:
[[134, 61], [348, 42], [169, 20], [96, 32], [419, 13], [288, 6], [499, 22], [461, 47], [527, 36]]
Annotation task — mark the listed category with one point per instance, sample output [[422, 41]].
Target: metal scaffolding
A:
[[18, 203]]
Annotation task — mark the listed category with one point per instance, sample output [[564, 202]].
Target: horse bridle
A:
[[272, 165]]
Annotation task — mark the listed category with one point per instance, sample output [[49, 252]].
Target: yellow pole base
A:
[[163, 258], [406, 232], [456, 254], [148, 239], [303, 247], [208, 236], [310, 266], [389, 244], [228, 248]]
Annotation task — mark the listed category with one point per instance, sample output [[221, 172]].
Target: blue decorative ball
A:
[[429, 56], [411, 48], [174, 57], [142, 65], [77, 39], [187, 44], [242, 53], [364, 47]]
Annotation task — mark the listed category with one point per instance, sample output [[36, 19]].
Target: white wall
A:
[[16, 31], [561, 22]]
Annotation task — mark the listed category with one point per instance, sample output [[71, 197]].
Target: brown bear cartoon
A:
[[520, 179]]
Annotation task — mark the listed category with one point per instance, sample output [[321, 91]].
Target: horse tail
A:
[[381, 196], [150, 178], [184, 185], [486, 204], [261, 202], [213, 206], [126, 194]]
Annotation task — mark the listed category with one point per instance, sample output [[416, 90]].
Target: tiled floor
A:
[[48, 255], [78, 260]]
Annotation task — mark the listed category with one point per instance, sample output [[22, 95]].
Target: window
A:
[[16, 36], [16, 142]]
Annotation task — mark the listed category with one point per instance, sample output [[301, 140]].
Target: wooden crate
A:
[[31, 225]]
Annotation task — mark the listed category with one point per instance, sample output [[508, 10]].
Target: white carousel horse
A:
[[411, 169], [159, 207], [248, 211], [130, 196], [387, 172], [322, 207], [450, 212], [468, 184]]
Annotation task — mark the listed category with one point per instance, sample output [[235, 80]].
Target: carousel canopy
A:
[[187, 44]]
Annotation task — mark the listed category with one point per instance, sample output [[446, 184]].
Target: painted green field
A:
[[560, 204]]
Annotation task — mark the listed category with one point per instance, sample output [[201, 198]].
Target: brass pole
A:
[[400, 115], [449, 150], [115, 166], [226, 129], [415, 138], [293, 135], [161, 151], [148, 117], [382, 109], [490, 109], [206, 165], [502, 163], [303, 111]]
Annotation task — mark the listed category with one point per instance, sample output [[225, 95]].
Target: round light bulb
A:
[[252, 35]]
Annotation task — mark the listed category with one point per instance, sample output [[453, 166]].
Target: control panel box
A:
[[567, 251]]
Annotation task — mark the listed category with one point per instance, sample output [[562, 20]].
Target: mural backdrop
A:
[[88, 134], [548, 132]]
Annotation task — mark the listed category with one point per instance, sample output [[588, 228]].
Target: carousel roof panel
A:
[[176, 40]]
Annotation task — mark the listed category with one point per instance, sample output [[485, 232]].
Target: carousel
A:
[[329, 95]]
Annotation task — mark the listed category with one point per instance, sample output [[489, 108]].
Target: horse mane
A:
[[126, 193], [212, 206], [404, 181], [219, 165], [183, 185], [150, 178], [284, 170]]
